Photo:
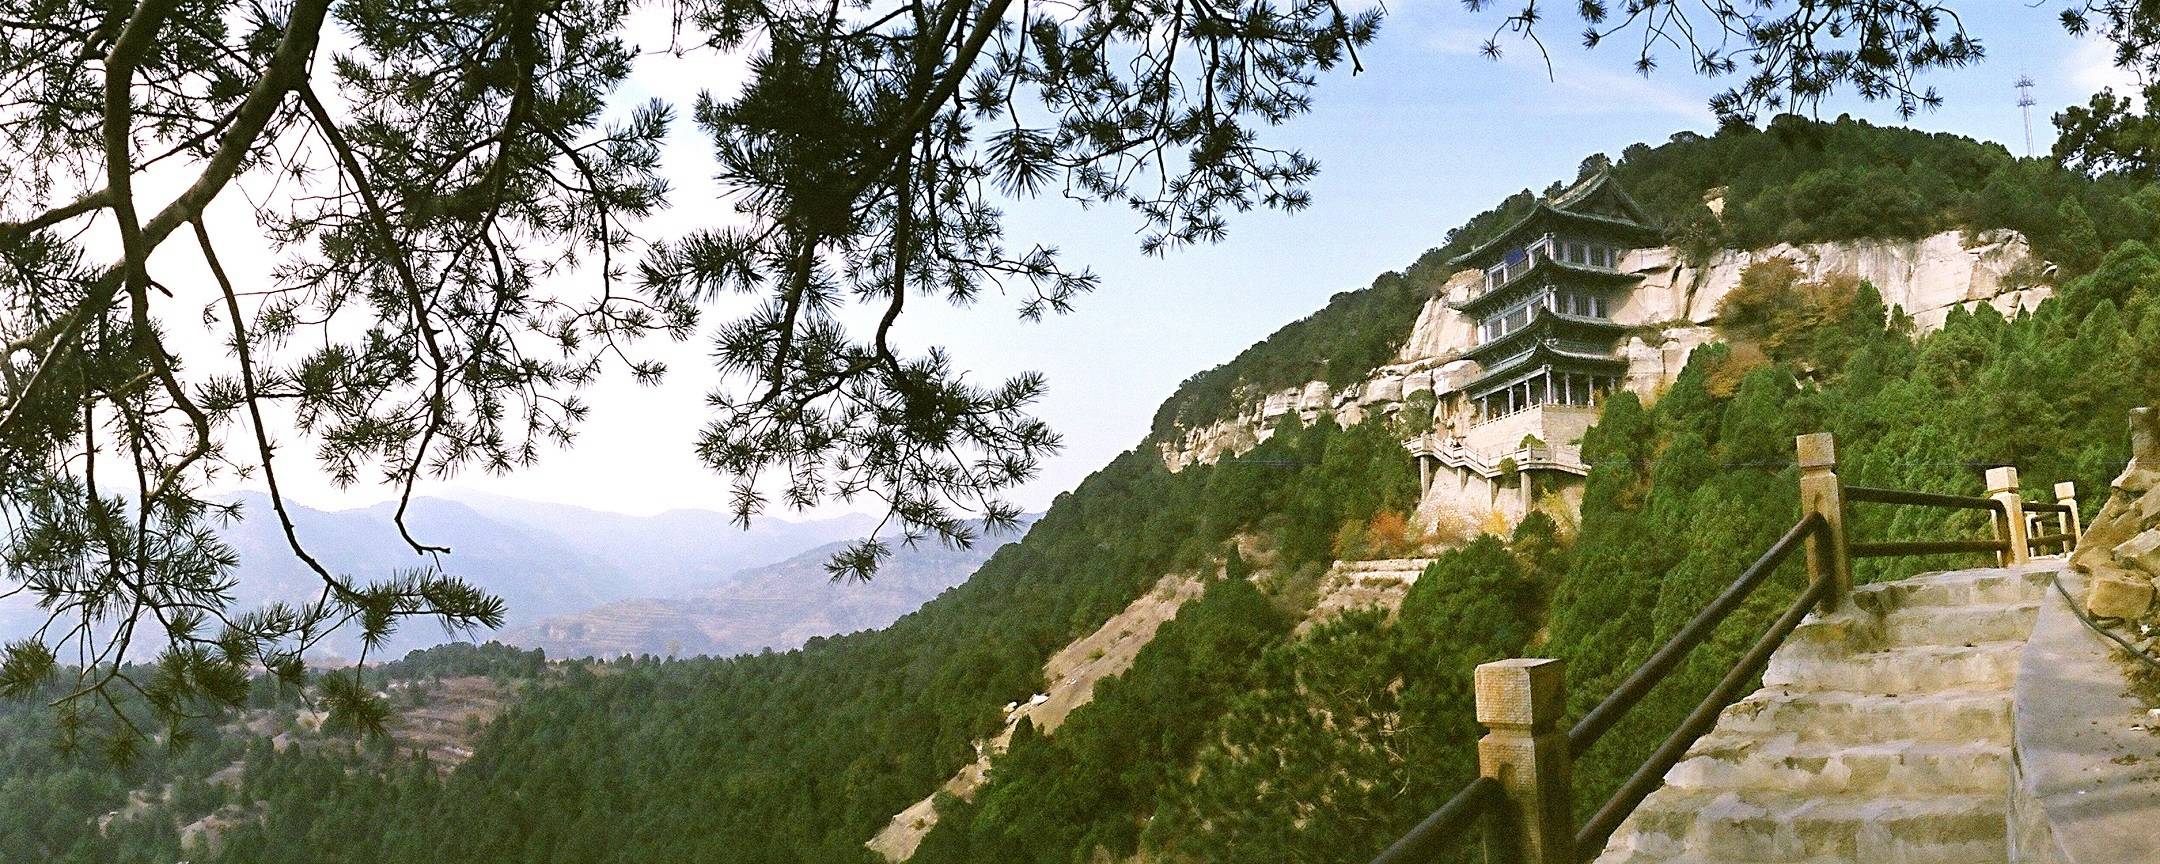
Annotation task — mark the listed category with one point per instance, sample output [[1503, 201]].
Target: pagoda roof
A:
[[1581, 202], [1600, 183], [1549, 354], [1546, 322]]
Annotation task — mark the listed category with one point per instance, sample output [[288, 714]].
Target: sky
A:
[[1429, 135]]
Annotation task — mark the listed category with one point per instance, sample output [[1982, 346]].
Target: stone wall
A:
[[2086, 785], [1559, 426], [2121, 550]]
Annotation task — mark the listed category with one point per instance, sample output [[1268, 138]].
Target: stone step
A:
[[1881, 734], [1961, 625], [2012, 585], [1859, 631], [1734, 761], [1764, 827], [1871, 718], [1638, 856], [1899, 671]]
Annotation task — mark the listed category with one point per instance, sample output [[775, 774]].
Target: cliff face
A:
[[1673, 309]]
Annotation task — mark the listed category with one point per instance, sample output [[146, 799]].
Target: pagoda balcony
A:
[[1454, 451], [1559, 427], [1569, 252]]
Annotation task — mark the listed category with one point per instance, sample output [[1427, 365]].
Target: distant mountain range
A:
[[777, 606], [544, 560]]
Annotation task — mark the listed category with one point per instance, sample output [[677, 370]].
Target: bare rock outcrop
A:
[[2121, 549], [1379, 583], [1072, 674], [1440, 330], [1926, 277], [1672, 311]]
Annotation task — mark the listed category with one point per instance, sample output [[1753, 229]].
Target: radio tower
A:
[[2025, 104]]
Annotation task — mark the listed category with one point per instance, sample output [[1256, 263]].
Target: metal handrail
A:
[[1924, 547], [1876, 495], [1449, 822], [1446, 826], [1594, 724], [1646, 779], [1823, 532]]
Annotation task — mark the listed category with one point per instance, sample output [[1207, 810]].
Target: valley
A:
[[1083, 695], [774, 607]]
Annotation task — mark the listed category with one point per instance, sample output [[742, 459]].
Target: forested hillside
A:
[[1796, 181], [802, 756], [1237, 738], [215, 775], [1347, 737]]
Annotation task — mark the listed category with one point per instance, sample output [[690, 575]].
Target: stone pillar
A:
[[1823, 494], [1424, 475], [1519, 702], [2066, 495], [2010, 527]]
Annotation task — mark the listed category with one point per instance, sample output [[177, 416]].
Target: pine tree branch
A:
[[379, 220], [287, 69]]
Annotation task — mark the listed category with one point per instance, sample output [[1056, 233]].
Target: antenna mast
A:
[[2025, 104]]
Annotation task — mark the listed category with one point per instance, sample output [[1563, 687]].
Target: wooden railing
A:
[[1523, 797]]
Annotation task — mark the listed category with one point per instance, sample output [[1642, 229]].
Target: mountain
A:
[[1236, 733], [543, 560], [777, 606], [534, 573], [672, 551]]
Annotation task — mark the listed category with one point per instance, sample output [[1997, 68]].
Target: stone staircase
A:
[[1881, 736]]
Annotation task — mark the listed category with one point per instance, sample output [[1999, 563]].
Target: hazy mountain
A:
[[779, 606], [674, 551], [542, 559]]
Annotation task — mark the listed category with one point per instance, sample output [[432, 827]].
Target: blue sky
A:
[[1429, 135]]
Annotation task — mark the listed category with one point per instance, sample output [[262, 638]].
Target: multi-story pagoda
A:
[[1545, 329], [1545, 348]]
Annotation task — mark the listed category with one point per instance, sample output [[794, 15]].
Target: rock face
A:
[[1881, 733], [1926, 277], [2121, 549], [1672, 311], [1440, 330]]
